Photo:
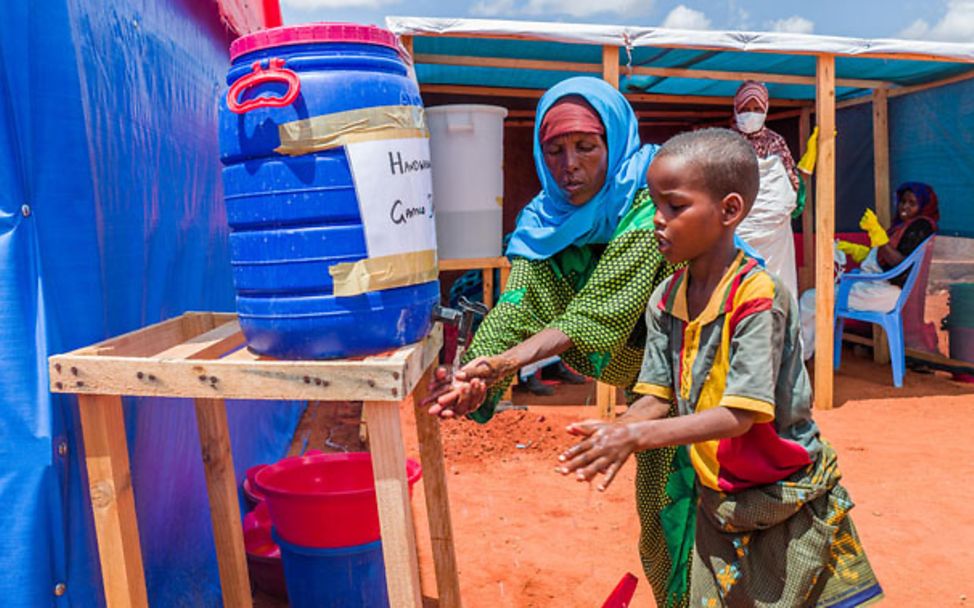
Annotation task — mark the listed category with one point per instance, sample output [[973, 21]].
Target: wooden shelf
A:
[[201, 355]]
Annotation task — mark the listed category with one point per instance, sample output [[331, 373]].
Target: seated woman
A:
[[916, 215]]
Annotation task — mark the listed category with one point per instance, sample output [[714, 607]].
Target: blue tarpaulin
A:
[[111, 218]]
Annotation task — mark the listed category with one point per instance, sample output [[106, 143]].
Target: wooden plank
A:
[[807, 274], [231, 378], [605, 400], [392, 496], [437, 498], [474, 263], [140, 342], [825, 231], [858, 83], [882, 198], [112, 500], [487, 275], [449, 89], [520, 114], [706, 100], [208, 345], [896, 92], [221, 486], [919, 355], [407, 45], [610, 65]]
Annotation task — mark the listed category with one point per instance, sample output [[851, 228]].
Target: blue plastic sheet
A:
[[111, 218]]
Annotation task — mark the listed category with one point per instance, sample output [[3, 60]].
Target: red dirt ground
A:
[[527, 537]]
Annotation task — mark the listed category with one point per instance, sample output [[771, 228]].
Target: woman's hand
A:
[[605, 449], [450, 397]]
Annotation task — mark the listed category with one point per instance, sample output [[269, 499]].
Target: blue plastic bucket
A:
[[334, 578], [300, 182]]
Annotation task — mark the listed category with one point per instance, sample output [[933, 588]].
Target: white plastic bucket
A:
[[467, 154]]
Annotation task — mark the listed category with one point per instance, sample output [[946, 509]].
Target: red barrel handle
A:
[[275, 72]]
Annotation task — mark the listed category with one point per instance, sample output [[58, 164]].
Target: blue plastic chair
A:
[[892, 321]]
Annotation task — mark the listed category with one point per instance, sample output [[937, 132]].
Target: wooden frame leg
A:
[[112, 500], [392, 496], [221, 485], [605, 400], [437, 499]]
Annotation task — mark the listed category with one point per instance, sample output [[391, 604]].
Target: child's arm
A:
[[607, 446]]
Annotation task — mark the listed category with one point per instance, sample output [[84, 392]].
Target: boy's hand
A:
[[604, 450], [451, 397]]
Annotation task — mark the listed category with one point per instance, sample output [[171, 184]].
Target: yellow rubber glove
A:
[[807, 163], [877, 234], [854, 250]]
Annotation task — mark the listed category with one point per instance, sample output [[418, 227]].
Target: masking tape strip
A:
[[386, 272], [329, 131]]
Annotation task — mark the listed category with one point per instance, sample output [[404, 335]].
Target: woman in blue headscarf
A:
[[584, 262]]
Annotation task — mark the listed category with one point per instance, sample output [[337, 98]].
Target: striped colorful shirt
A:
[[742, 351]]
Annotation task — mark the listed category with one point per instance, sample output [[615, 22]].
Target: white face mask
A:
[[750, 122]]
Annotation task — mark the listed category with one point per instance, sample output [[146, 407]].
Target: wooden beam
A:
[[671, 114], [807, 274], [407, 45], [825, 231], [112, 500], [474, 263], [437, 498], [605, 400], [449, 89], [487, 276], [706, 100], [857, 83], [919, 355], [610, 65], [931, 85], [392, 496], [221, 487], [881, 181]]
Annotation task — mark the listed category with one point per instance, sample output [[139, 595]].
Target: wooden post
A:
[[112, 500], [806, 277], [881, 178], [407, 43], [825, 231], [392, 496], [221, 486], [437, 499], [610, 65], [488, 279], [605, 394]]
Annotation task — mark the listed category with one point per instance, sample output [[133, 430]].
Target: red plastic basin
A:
[[263, 555], [325, 500]]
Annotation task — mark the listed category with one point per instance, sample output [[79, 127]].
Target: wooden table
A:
[[200, 356]]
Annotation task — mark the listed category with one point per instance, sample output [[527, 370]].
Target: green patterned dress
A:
[[597, 297]]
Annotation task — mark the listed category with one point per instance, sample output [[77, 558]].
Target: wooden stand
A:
[[188, 357]]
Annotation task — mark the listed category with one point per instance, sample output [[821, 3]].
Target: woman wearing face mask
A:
[[767, 227], [584, 262]]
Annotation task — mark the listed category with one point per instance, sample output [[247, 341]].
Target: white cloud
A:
[[310, 5], [792, 25], [583, 8], [492, 8], [957, 25], [683, 18]]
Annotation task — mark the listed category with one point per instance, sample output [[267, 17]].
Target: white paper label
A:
[[394, 185]]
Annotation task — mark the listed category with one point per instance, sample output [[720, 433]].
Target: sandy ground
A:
[[528, 537]]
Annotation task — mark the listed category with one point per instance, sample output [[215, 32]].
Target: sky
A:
[[937, 20]]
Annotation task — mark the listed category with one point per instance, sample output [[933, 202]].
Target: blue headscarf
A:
[[550, 223]]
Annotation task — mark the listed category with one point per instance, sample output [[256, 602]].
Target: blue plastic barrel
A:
[[334, 578], [294, 208]]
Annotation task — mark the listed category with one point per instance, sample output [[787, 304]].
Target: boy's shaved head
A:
[[726, 161]]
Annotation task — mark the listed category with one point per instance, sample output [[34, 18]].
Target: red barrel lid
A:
[[310, 33]]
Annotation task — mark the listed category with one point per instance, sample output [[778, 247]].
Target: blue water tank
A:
[[326, 166]]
